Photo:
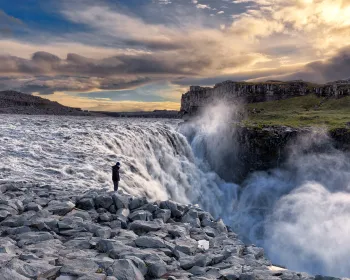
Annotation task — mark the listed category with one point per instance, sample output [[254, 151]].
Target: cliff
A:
[[13, 102], [244, 92]]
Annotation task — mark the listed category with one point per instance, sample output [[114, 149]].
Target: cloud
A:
[[203, 6], [111, 47]]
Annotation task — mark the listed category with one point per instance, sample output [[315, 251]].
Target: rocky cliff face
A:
[[198, 97], [13, 102]]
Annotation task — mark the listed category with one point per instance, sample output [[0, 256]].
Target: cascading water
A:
[[299, 214], [157, 161]]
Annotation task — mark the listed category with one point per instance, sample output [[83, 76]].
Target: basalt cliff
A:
[[198, 97]]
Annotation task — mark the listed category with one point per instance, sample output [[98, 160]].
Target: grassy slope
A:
[[301, 112]]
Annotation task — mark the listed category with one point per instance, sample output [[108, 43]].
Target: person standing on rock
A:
[[116, 176]]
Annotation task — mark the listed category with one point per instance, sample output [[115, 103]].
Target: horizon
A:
[[127, 56]]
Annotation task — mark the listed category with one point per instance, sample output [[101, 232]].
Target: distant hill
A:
[[13, 102]]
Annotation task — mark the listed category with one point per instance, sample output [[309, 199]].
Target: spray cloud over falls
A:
[[299, 212]]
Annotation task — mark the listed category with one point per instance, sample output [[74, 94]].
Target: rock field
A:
[[56, 233]]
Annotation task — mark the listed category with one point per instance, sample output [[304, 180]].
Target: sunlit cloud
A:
[[122, 49]]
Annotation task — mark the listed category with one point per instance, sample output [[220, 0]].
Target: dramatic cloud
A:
[[114, 46]]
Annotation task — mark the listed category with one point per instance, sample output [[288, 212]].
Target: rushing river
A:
[[300, 214]]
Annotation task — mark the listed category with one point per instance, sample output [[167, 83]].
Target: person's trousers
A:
[[116, 183]]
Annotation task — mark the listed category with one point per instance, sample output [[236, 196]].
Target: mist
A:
[[300, 212]]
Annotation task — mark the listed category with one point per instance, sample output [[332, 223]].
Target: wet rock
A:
[[124, 270], [4, 214], [121, 201], [163, 214], [9, 274], [137, 202], [60, 207], [77, 267], [143, 226], [191, 217], [150, 242], [32, 206], [156, 266], [103, 201], [29, 238], [186, 246], [141, 215], [7, 246], [86, 203]]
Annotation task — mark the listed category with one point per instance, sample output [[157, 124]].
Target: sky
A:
[[132, 55]]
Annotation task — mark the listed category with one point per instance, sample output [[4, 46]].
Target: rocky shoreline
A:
[[58, 233]]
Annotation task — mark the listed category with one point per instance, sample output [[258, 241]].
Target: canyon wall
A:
[[198, 97]]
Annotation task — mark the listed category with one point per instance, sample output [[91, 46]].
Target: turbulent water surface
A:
[[299, 214]]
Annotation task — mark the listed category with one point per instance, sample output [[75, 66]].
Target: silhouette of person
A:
[[116, 176]]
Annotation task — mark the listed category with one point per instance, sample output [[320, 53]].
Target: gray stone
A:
[[150, 242], [86, 203], [29, 238], [191, 217], [94, 276], [163, 214], [173, 207], [103, 201], [9, 274], [186, 246], [137, 202], [121, 201], [4, 214], [105, 217], [60, 207], [123, 213], [156, 266], [32, 269], [77, 267], [124, 270], [196, 270], [139, 264], [141, 215], [32, 206], [143, 226], [7, 245], [232, 273]]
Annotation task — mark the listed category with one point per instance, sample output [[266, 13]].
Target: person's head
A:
[[118, 164]]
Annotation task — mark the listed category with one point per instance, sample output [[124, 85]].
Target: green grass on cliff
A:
[[301, 111]]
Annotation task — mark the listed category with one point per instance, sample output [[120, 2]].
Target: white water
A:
[[300, 214]]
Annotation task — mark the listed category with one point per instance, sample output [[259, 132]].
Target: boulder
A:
[[60, 207], [32, 206], [143, 226], [124, 270], [150, 242], [191, 217], [163, 214], [29, 238], [141, 215], [86, 203], [121, 201], [137, 202], [77, 267], [103, 201]]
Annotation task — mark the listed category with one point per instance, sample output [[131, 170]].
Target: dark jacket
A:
[[115, 173]]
